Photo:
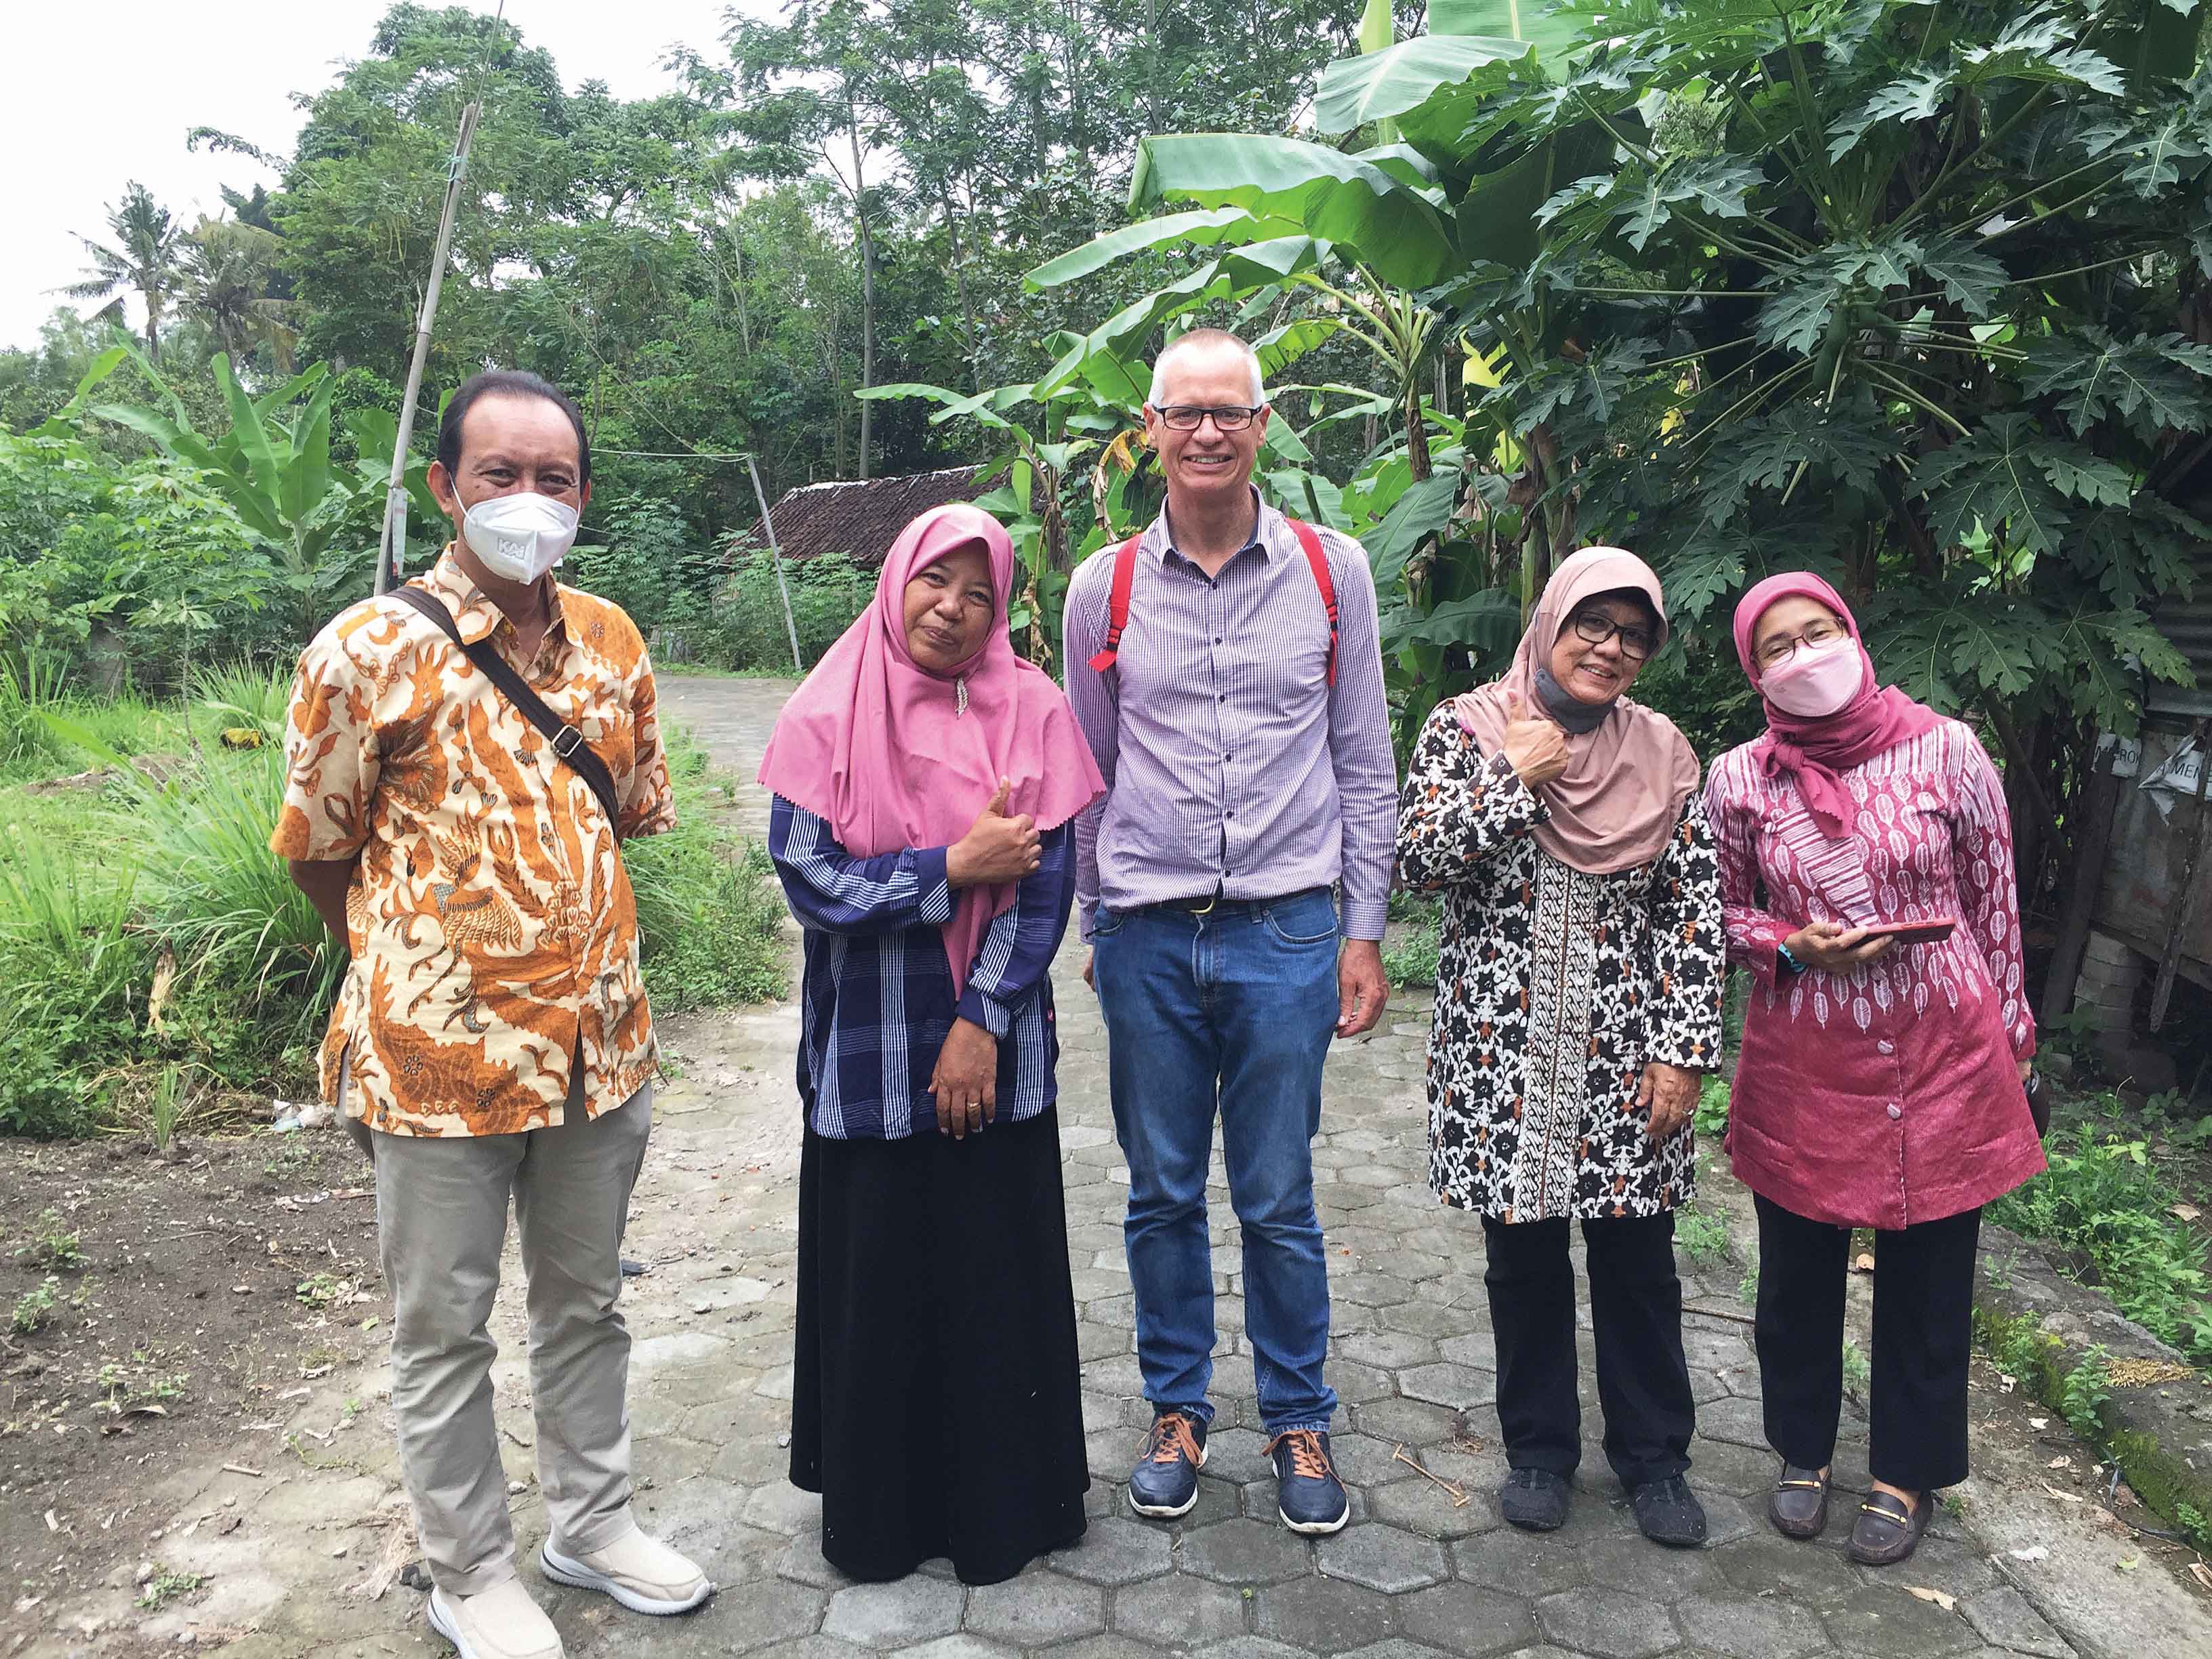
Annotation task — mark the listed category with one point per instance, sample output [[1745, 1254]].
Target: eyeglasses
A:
[[1596, 627], [1188, 417], [1816, 635]]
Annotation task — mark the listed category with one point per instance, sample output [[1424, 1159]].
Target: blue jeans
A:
[[1234, 1008]]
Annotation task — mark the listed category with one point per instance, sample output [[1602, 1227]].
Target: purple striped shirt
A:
[[1230, 764]]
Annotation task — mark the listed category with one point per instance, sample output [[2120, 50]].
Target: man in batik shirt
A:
[[492, 1036]]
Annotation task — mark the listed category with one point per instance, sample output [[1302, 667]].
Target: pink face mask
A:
[[1815, 680]]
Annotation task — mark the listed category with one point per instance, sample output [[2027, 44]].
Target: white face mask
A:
[[520, 536]]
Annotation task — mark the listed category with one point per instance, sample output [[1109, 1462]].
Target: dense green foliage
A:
[[2106, 1206], [147, 937], [1917, 294]]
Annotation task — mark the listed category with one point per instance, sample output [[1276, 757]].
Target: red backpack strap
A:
[[1310, 538], [1117, 606]]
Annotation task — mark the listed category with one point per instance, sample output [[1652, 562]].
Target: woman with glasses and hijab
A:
[[926, 779], [1866, 867], [1578, 1000]]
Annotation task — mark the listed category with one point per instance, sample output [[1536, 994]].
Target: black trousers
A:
[[1923, 1306], [1636, 1306]]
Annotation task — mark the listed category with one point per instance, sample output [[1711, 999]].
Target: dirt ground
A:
[[192, 1299]]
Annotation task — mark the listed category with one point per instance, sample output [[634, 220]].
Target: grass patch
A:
[[1415, 941], [709, 916], [2106, 1208], [158, 968], [1703, 1238]]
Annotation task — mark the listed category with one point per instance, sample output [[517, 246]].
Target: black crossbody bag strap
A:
[[568, 744]]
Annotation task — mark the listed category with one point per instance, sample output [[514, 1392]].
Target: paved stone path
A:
[[1426, 1569]]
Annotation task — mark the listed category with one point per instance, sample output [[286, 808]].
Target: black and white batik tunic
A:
[[1554, 988]]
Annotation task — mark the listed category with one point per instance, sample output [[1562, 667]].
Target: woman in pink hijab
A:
[[1881, 1080], [1578, 1000], [926, 779]]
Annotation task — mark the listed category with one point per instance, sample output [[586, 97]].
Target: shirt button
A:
[[1896, 1111], [1886, 1046]]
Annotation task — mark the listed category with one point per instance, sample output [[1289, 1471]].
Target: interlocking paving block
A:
[[765, 1612], [1814, 1572], [1415, 1422], [1389, 1350], [1369, 1290], [1244, 1551], [1324, 1616], [1633, 1562], [1613, 1623], [1356, 1385], [1397, 1647], [912, 1609], [1424, 1507], [2004, 1616], [1119, 1549], [1255, 1647], [1107, 1647], [1233, 1454], [1729, 1518], [1525, 1563], [783, 1508], [1382, 1559], [1034, 1609], [1886, 1622], [1461, 1619], [801, 1560], [1178, 1612], [1764, 1629], [1366, 1460], [1737, 1421], [960, 1645], [1744, 1471], [1456, 1388], [1942, 1564], [1427, 1318]]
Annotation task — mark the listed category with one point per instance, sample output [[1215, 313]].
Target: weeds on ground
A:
[[2083, 1389], [50, 1247], [1858, 1370], [2107, 1208], [1712, 1114], [320, 1290], [1704, 1237], [36, 1306], [166, 1585], [1416, 938], [710, 917]]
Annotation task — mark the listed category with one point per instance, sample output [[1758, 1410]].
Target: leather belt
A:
[[1214, 905]]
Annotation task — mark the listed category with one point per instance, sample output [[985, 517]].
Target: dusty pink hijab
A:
[[886, 752], [1817, 750], [1626, 779]]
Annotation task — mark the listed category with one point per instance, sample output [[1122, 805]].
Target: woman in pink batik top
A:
[[1881, 1080]]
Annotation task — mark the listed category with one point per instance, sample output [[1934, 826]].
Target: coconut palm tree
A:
[[145, 257], [230, 284]]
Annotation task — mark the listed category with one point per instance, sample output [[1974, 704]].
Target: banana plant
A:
[[274, 468]]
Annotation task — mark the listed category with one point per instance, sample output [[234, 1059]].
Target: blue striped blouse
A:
[[876, 999]]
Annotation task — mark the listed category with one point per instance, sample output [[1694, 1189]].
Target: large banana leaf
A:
[[1380, 85], [251, 436], [1374, 218], [1200, 227], [1548, 28], [1498, 215], [307, 471]]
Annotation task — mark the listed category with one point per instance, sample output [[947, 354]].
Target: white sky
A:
[[92, 98]]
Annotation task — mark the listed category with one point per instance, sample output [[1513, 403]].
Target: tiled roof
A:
[[861, 519]]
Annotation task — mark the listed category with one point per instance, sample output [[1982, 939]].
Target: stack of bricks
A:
[[2111, 975]]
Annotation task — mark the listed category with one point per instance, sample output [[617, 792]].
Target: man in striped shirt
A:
[[1243, 731]]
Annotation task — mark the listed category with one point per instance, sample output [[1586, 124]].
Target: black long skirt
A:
[[934, 1401]]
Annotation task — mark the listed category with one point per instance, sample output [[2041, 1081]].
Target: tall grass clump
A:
[[70, 964], [29, 687], [710, 919]]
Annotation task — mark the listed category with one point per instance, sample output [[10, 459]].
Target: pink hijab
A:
[[1621, 795], [1816, 749], [888, 753]]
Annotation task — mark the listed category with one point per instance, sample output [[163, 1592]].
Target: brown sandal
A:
[[1887, 1531], [1799, 1505]]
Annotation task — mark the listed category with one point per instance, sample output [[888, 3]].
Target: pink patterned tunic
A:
[[1890, 1095]]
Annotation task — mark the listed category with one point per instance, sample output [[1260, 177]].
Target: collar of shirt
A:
[[475, 613], [1160, 539]]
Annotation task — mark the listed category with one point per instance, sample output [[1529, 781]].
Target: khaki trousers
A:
[[441, 1221]]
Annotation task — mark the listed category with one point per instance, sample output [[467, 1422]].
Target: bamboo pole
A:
[[775, 558], [392, 545]]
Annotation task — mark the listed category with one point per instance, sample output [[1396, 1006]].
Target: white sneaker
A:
[[502, 1623], [641, 1573]]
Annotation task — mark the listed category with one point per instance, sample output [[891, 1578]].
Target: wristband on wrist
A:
[[1782, 955]]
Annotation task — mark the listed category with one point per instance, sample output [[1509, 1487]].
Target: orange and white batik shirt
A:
[[493, 932]]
